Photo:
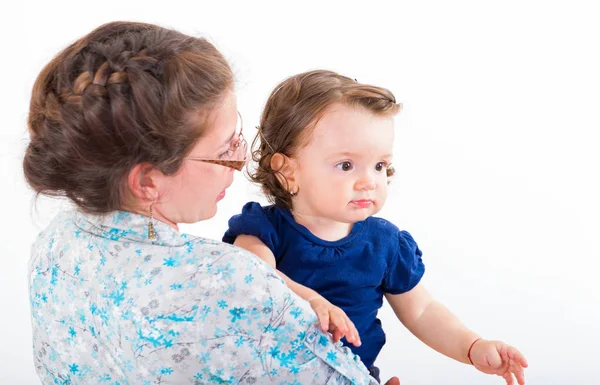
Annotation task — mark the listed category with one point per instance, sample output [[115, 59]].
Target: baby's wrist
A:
[[470, 351], [315, 297]]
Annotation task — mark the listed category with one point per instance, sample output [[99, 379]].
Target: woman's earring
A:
[[151, 231], [294, 193]]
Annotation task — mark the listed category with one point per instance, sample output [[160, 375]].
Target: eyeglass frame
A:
[[234, 164]]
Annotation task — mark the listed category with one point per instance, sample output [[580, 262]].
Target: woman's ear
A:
[[285, 170], [141, 183]]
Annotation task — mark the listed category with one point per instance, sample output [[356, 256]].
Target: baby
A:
[[324, 159]]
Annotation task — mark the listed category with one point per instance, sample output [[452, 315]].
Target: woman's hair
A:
[[291, 113], [126, 93]]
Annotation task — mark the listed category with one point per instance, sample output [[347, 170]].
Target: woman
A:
[[138, 126]]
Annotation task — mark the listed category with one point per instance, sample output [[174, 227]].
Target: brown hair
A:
[[126, 93], [294, 108]]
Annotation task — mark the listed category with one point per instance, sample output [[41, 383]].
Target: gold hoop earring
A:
[[151, 230]]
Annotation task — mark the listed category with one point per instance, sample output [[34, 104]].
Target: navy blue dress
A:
[[353, 273]]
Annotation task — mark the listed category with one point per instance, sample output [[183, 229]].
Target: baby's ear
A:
[[284, 168]]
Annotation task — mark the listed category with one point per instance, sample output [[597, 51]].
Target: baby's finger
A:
[[351, 334], [323, 315], [347, 325], [514, 354], [338, 320], [508, 377], [337, 335], [518, 372], [354, 332]]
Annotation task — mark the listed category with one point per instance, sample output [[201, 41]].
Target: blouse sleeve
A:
[[252, 221], [275, 334], [405, 269]]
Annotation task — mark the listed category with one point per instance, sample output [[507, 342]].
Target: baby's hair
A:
[[292, 111]]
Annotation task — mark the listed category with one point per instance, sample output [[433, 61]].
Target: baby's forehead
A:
[[359, 152], [341, 118], [353, 146], [354, 130]]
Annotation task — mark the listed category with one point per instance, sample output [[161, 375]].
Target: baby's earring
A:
[[151, 231]]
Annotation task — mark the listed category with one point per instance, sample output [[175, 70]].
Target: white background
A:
[[497, 154]]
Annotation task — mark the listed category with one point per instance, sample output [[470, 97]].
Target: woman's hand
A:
[[334, 320], [496, 357]]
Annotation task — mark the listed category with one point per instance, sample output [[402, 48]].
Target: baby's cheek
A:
[[383, 192]]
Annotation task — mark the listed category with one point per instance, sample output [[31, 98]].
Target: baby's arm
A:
[[331, 317], [436, 326], [257, 247]]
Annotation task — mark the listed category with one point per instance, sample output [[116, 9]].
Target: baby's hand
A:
[[496, 357], [334, 320]]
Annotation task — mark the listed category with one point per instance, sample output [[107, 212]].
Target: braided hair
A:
[[125, 94]]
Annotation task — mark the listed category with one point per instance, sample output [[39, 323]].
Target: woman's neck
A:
[[159, 217], [137, 209]]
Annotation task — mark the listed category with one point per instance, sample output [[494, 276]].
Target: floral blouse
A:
[[110, 306]]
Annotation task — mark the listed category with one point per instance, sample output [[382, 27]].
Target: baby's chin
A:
[[361, 214]]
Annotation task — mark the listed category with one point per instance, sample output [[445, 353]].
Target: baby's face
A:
[[341, 172]]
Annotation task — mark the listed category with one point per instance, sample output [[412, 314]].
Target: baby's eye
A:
[[381, 166], [344, 166]]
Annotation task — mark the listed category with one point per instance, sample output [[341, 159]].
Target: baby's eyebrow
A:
[[344, 153], [351, 154]]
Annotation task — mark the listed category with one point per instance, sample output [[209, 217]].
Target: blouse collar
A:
[[124, 225]]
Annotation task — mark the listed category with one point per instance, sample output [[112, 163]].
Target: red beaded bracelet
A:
[[469, 353]]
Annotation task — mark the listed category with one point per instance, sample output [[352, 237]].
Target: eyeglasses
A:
[[236, 156]]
